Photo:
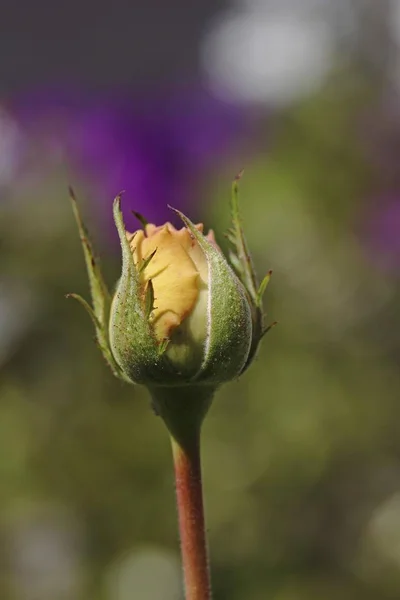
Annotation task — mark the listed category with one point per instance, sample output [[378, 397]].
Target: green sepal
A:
[[98, 288], [99, 313], [229, 316], [241, 262], [139, 355]]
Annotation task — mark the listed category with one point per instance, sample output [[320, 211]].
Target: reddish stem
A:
[[191, 519]]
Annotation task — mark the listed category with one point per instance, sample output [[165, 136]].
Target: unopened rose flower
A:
[[189, 317], [182, 314]]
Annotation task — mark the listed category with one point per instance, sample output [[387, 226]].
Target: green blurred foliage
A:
[[301, 456]]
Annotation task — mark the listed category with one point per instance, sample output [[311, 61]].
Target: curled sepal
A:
[[98, 288], [136, 350], [100, 311], [241, 258], [241, 261], [229, 326]]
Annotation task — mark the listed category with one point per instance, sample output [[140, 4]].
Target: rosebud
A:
[[181, 314]]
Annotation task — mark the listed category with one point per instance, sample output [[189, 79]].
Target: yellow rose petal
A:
[[174, 277]]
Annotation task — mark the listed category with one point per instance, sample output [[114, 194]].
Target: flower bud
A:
[[179, 315]]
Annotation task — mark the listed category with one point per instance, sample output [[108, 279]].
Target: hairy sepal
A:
[[229, 326], [138, 353], [101, 300]]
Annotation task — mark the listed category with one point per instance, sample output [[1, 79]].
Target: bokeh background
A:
[[168, 101]]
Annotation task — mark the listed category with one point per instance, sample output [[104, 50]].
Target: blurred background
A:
[[168, 101]]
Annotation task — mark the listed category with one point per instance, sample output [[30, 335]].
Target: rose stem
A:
[[183, 410], [189, 494]]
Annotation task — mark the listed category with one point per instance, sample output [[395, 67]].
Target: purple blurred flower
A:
[[155, 148], [383, 232]]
